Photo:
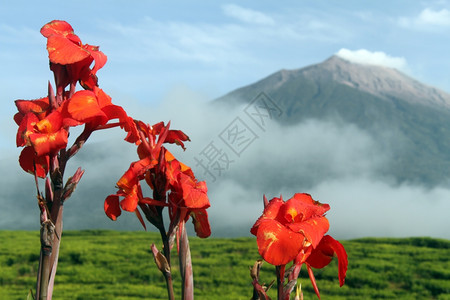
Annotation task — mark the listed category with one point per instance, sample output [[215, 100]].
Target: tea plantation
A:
[[119, 265]]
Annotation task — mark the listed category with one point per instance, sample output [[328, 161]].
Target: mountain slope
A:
[[381, 100]]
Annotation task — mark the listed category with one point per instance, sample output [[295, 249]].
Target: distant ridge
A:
[[380, 81], [374, 98], [383, 82]]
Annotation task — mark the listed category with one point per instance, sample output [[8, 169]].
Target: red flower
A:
[[45, 136], [166, 176], [69, 58], [294, 231], [285, 228], [38, 107], [44, 123], [187, 192]]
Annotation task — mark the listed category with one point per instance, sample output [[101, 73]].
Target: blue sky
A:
[[213, 47], [216, 46], [159, 50]]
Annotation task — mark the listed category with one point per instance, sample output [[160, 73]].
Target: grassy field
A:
[[119, 265]]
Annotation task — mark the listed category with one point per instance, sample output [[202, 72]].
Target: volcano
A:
[[376, 99]]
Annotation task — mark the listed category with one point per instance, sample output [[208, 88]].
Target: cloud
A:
[[360, 207], [178, 41], [363, 205], [337, 163], [247, 15], [433, 17], [363, 56], [221, 43], [157, 52], [427, 19]]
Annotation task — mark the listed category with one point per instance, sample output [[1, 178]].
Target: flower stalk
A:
[[44, 126], [187, 278], [175, 188]]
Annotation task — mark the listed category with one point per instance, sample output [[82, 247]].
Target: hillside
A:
[[118, 265], [379, 100]]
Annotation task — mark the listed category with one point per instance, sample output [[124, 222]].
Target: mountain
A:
[[376, 99]]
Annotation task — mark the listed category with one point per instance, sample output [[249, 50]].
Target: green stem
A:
[[187, 276], [280, 281], [169, 284], [166, 249]]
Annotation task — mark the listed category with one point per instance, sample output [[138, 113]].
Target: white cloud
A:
[[363, 56], [206, 55], [225, 44], [247, 15], [427, 19], [433, 17], [363, 206], [337, 163], [155, 40]]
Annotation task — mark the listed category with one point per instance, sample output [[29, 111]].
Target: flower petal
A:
[[177, 137], [50, 124], [98, 56], [201, 223], [141, 220], [26, 128], [270, 213], [57, 27], [173, 169], [313, 229], [64, 51], [112, 208], [302, 207], [127, 123], [38, 107], [30, 162], [103, 98], [131, 200], [83, 107], [45, 143], [187, 192], [277, 244], [324, 253]]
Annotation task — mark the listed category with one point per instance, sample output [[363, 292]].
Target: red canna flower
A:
[[45, 136], [173, 182], [38, 107], [187, 192], [285, 228], [294, 231], [69, 58]]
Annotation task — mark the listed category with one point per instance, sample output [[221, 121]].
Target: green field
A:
[[119, 265]]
